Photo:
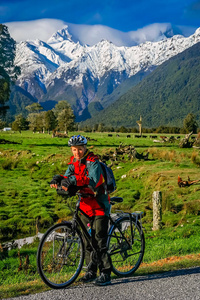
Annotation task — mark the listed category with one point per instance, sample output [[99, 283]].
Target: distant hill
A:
[[103, 100], [164, 97]]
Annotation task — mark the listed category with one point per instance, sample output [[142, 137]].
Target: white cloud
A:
[[40, 29], [43, 29], [149, 33], [92, 34]]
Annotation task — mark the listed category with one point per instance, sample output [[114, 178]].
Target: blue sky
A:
[[122, 15]]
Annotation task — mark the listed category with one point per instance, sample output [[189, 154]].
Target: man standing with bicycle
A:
[[86, 174]]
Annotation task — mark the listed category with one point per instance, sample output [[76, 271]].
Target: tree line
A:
[[59, 118], [189, 124]]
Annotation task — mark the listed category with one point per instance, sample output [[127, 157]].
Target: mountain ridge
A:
[[164, 97], [64, 70]]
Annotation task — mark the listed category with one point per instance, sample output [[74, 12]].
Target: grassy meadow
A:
[[27, 204]]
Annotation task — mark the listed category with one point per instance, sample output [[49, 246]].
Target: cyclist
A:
[[86, 174]]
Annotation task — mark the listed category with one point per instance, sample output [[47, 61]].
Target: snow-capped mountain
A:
[[63, 69]]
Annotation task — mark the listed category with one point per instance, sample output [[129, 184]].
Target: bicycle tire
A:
[[60, 256], [126, 258]]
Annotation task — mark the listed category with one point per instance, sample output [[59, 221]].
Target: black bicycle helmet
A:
[[77, 140]]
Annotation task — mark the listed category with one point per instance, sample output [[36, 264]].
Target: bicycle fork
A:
[[66, 247]]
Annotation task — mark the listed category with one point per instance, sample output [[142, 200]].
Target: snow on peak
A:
[[197, 32], [60, 36], [61, 54]]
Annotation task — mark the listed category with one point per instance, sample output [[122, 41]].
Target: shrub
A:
[[192, 207], [7, 165], [195, 158], [10, 164]]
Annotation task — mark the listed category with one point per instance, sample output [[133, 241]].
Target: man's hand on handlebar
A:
[[53, 186], [65, 188], [56, 180], [65, 183], [56, 186]]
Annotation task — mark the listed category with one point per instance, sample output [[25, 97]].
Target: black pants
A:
[[99, 232]]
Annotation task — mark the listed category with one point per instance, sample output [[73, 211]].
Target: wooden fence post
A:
[[157, 210]]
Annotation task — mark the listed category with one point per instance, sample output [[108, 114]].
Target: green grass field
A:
[[27, 204]]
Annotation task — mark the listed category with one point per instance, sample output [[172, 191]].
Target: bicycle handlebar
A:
[[62, 192]]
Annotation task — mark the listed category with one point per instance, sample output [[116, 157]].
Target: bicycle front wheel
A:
[[126, 246], [60, 256]]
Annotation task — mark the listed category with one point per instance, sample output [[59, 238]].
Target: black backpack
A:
[[109, 178]]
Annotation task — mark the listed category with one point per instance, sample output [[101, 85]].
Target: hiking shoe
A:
[[103, 279], [88, 277]]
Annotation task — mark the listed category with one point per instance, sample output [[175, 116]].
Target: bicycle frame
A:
[[77, 221]]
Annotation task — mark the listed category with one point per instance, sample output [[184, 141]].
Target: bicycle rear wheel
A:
[[126, 253], [60, 256]]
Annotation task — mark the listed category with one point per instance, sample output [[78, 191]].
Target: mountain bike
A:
[[61, 251]]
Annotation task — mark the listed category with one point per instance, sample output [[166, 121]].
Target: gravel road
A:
[[178, 285]]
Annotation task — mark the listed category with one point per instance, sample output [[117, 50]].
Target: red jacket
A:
[[88, 175]]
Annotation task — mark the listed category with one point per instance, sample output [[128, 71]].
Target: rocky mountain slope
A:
[[164, 97], [62, 69]]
